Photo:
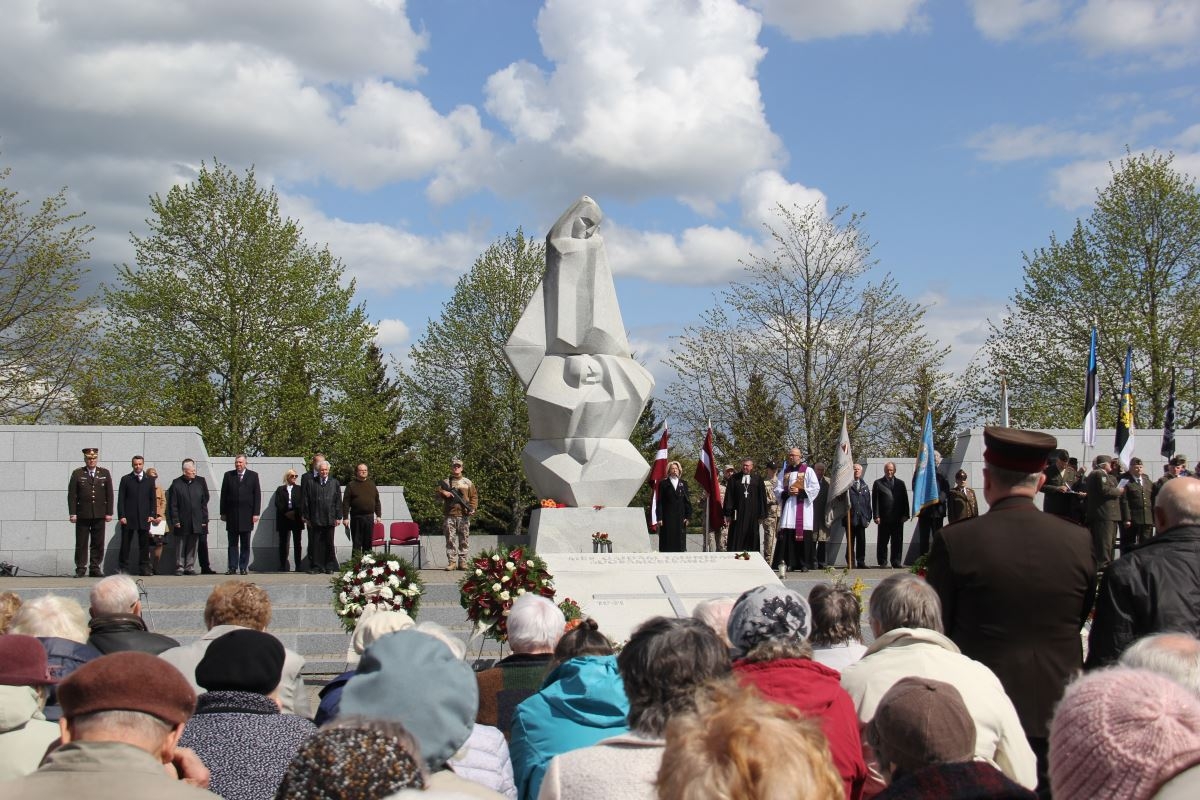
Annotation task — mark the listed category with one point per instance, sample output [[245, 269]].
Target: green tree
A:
[[935, 391], [822, 335], [224, 291], [645, 437], [463, 397], [364, 422], [758, 429], [42, 338], [1133, 269]]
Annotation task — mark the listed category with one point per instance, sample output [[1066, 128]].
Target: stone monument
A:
[[585, 394]]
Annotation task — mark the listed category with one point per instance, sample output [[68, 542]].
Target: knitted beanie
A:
[[244, 660], [1121, 733], [768, 612]]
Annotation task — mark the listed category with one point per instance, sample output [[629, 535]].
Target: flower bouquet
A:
[[494, 580], [572, 613], [376, 579]]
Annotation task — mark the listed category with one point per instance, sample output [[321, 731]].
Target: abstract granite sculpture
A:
[[585, 392]]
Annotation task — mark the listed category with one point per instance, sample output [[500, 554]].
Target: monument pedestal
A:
[[569, 530]]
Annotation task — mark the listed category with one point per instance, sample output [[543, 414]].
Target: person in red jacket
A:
[[768, 631]]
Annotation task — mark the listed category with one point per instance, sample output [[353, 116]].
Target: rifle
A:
[[456, 497]]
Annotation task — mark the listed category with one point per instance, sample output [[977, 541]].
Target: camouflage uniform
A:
[[770, 523], [457, 523]]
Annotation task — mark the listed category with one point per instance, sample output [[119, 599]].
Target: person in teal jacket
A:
[[582, 700]]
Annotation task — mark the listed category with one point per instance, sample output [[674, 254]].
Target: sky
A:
[[409, 135]]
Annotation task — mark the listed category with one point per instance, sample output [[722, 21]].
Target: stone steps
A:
[[302, 614]]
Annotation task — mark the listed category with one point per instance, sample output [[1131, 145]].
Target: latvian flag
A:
[[657, 473], [708, 479]]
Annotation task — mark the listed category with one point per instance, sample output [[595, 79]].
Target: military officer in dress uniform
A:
[[1017, 584], [1137, 507], [961, 502], [90, 504]]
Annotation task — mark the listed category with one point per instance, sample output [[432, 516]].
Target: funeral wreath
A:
[[376, 578]]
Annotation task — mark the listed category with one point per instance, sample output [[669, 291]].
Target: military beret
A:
[[244, 660], [23, 661], [1017, 450], [128, 681]]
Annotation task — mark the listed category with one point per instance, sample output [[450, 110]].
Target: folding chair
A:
[[378, 537], [406, 534]]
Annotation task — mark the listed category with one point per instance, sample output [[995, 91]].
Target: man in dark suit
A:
[[323, 502], [1103, 509], [90, 504], [136, 508], [889, 495], [187, 512], [1137, 507], [241, 500], [861, 513], [1016, 584], [1058, 491], [307, 481], [744, 508]]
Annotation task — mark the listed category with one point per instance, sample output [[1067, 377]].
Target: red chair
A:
[[406, 534], [377, 536]]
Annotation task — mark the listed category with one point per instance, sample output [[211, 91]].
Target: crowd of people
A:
[[975, 680]]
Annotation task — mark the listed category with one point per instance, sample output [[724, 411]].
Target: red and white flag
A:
[[657, 473], [709, 480]]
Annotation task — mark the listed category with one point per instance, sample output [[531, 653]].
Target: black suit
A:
[[241, 500], [322, 505], [289, 521], [860, 517], [890, 498], [136, 504]]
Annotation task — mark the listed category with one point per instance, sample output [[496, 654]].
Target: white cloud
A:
[[1011, 143], [1190, 138], [803, 20], [960, 322], [1002, 20], [391, 335], [657, 98], [1166, 31], [1160, 28], [763, 191], [383, 258], [698, 256], [1075, 185]]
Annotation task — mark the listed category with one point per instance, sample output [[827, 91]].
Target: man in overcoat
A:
[[889, 496], [1017, 584], [241, 500], [137, 508]]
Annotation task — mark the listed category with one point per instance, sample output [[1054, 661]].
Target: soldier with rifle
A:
[[460, 499]]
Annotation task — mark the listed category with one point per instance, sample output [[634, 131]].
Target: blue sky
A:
[[410, 135]]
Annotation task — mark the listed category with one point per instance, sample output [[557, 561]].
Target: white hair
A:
[[374, 623], [443, 635], [1172, 655], [52, 615], [116, 594], [714, 612], [535, 624]]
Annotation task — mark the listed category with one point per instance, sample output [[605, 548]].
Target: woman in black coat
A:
[[289, 505], [674, 511]]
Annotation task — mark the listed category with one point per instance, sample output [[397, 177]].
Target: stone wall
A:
[[36, 462]]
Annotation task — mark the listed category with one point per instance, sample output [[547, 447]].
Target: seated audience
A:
[[906, 618], [116, 624], [415, 679], [739, 745], [768, 629], [238, 730], [60, 625], [714, 612], [925, 740], [10, 602], [836, 636], [663, 667], [374, 623], [353, 759], [581, 702], [1125, 733], [25, 734], [123, 715], [1173, 655], [233, 605], [535, 625]]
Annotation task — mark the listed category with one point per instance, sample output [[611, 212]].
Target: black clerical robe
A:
[[745, 505]]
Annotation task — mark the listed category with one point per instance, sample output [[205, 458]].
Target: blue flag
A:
[[925, 488]]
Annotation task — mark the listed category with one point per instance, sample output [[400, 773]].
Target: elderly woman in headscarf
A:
[[768, 632]]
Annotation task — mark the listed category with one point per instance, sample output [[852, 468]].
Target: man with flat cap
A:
[[122, 717], [1017, 584], [90, 504]]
